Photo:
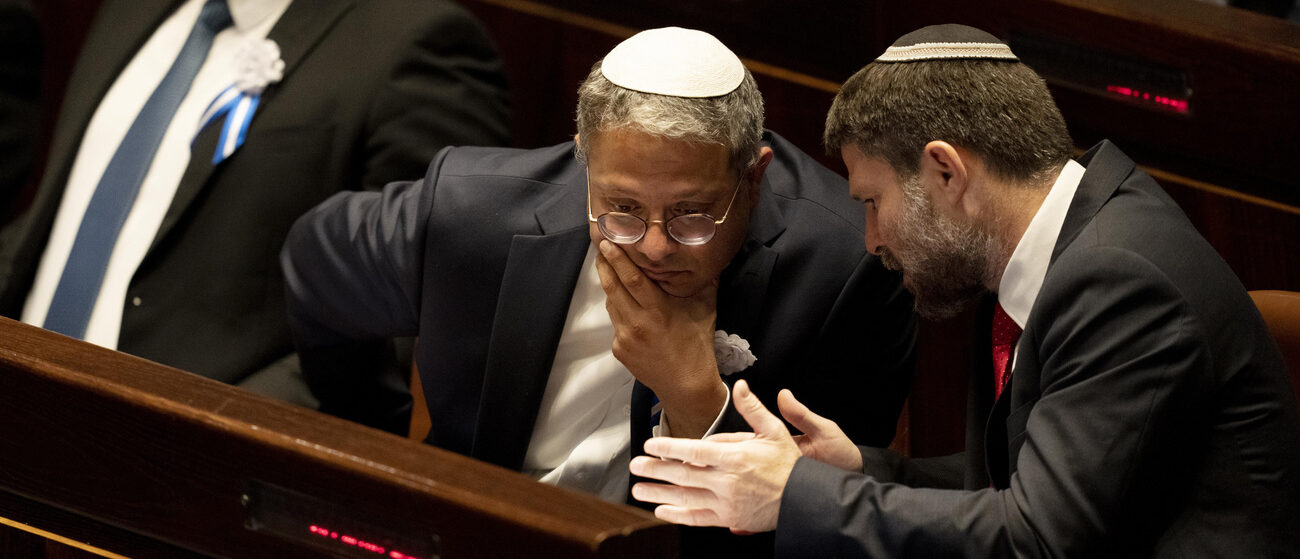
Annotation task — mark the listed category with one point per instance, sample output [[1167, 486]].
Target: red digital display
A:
[[358, 543], [1176, 105]]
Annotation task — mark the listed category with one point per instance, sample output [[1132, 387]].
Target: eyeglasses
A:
[[688, 229]]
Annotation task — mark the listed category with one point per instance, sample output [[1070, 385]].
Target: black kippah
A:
[[948, 41]]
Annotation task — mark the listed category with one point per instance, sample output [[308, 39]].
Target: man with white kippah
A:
[[1135, 404], [567, 307]]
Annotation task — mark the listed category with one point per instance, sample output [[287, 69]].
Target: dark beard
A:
[[945, 262]]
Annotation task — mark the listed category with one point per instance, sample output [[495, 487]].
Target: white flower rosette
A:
[[257, 65], [732, 352]]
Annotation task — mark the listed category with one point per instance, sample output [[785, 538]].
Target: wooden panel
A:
[[822, 39], [1243, 70], [548, 51], [169, 455], [16, 543], [68, 534]]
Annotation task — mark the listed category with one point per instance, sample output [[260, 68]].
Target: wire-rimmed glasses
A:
[[687, 229]]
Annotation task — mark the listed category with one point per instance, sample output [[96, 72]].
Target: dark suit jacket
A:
[[20, 80], [371, 91], [1149, 414], [481, 258]]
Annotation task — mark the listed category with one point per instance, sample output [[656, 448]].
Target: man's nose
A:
[[872, 238], [656, 245]]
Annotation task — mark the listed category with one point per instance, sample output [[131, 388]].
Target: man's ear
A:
[[945, 172], [756, 175], [577, 140]]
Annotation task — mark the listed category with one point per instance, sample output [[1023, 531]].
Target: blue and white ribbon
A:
[[656, 409], [237, 107]]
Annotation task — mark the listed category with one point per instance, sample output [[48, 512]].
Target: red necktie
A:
[[1005, 334]]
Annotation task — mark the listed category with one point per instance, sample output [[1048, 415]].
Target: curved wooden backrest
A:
[[135, 458], [1281, 310], [420, 421]]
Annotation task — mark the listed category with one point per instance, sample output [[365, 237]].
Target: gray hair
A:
[[734, 120]]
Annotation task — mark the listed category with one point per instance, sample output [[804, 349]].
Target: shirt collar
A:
[[248, 13], [1023, 277]]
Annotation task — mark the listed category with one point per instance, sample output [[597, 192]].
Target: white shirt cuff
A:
[[661, 430]]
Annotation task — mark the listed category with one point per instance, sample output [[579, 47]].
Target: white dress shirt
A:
[[583, 436], [116, 111], [1023, 277]]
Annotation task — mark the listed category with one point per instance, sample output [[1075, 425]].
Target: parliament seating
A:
[[1281, 310], [126, 457]]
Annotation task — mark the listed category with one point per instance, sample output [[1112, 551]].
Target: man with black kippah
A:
[[1134, 404]]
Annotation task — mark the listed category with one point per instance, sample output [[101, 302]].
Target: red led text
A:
[[1179, 105], [356, 542]]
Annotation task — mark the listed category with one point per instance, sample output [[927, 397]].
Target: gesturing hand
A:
[[666, 342], [733, 480], [823, 440]]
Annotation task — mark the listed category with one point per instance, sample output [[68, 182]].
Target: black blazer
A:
[[371, 91], [1148, 415], [481, 258]]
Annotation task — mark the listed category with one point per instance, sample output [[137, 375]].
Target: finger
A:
[[644, 291], [688, 497], [704, 453], [616, 295], [671, 471], [729, 437], [765, 424], [688, 516], [800, 416]]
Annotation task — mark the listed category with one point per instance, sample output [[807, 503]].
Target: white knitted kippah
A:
[[674, 61]]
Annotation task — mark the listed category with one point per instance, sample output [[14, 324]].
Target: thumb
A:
[[800, 416], [765, 425]]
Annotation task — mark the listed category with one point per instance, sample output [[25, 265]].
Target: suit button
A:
[[135, 301]]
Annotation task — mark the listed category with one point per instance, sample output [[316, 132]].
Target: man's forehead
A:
[[868, 175], [632, 158], [632, 138], [679, 188]]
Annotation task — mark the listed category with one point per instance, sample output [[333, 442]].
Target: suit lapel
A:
[[298, 30], [1098, 185], [536, 289], [743, 286], [979, 402]]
